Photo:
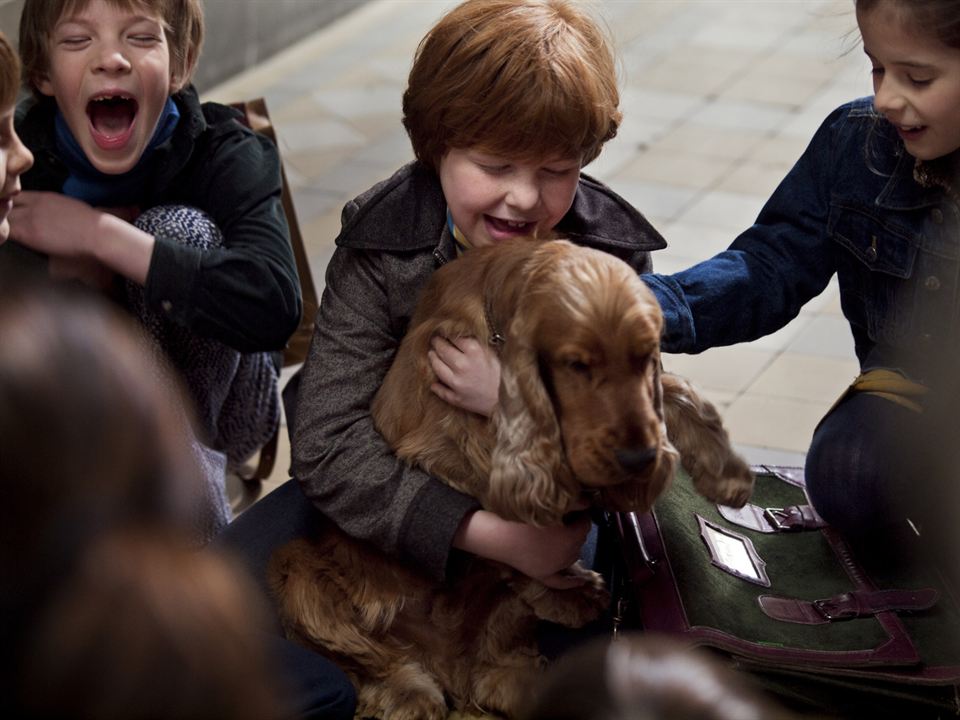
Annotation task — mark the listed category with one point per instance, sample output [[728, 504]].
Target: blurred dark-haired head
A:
[[646, 677], [108, 608]]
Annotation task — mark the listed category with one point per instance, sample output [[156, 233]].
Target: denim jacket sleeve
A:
[[762, 280]]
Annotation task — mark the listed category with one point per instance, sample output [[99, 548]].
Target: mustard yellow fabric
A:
[[889, 385]]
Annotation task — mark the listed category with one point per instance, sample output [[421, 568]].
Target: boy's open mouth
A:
[[510, 227], [111, 118]]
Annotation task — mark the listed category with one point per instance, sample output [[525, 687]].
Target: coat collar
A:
[[902, 191], [36, 118], [408, 212]]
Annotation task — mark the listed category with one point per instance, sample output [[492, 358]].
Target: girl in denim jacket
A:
[[874, 201]]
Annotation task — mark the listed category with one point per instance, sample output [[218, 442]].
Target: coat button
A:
[[937, 215], [932, 283], [167, 306], [871, 253]]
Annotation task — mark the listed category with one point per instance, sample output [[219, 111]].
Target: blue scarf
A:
[[459, 238], [87, 183]]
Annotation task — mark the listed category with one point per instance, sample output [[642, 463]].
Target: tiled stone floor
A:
[[719, 98]]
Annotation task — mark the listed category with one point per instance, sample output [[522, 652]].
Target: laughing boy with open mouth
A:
[[174, 208], [170, 206]]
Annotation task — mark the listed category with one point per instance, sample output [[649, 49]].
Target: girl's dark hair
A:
[[108, 608], [933, 17], [91, 438]]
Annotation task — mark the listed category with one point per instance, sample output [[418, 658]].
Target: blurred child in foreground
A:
[[108, 610]]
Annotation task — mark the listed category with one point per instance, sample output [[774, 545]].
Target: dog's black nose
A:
[[635, 460]]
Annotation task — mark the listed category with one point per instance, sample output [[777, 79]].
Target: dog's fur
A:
[[581, 410]]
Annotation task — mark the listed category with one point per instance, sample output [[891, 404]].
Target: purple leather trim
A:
[[893, 652], [768, 520], [749, 516], [788, 473], [920, 675], [707, 530], [791, 610], [659, 602], [863, 603], [794, 518], [846, 606], [661, 610], [640, 565]]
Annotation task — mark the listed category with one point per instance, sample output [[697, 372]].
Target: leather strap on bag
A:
[[846, 606], [773, 520]]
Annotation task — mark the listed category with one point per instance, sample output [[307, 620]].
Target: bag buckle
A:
[[862, 603], [841, 607], [776, 517]]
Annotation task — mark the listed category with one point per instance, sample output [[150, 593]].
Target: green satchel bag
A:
[[781, 594]]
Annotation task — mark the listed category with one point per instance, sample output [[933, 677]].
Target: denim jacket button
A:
[[937, 215], [871, 253], [932, 283]]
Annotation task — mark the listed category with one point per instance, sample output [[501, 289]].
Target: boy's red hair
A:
[[527, 79]]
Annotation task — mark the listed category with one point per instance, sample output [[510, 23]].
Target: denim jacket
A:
[[849, 206]]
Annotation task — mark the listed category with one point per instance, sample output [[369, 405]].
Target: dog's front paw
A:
[[407, 692], [696, 430], [503, 686], [577, 606], [733, 486]]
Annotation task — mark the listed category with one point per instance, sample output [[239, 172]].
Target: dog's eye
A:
[[579, 367]]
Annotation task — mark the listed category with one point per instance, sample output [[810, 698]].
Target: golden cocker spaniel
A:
[[583, 410]]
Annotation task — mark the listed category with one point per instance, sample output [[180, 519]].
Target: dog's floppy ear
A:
[[697, 431], [658, 389], [530, 480]]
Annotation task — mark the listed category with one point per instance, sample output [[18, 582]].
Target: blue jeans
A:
[[865, 469]]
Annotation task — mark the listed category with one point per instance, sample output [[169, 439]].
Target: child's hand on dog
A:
[[542, 553], [468, 373]]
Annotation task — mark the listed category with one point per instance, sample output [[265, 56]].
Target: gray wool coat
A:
[[393, 237]]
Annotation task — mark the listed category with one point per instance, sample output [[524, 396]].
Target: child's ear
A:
[[43, 84], [179, 79]]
